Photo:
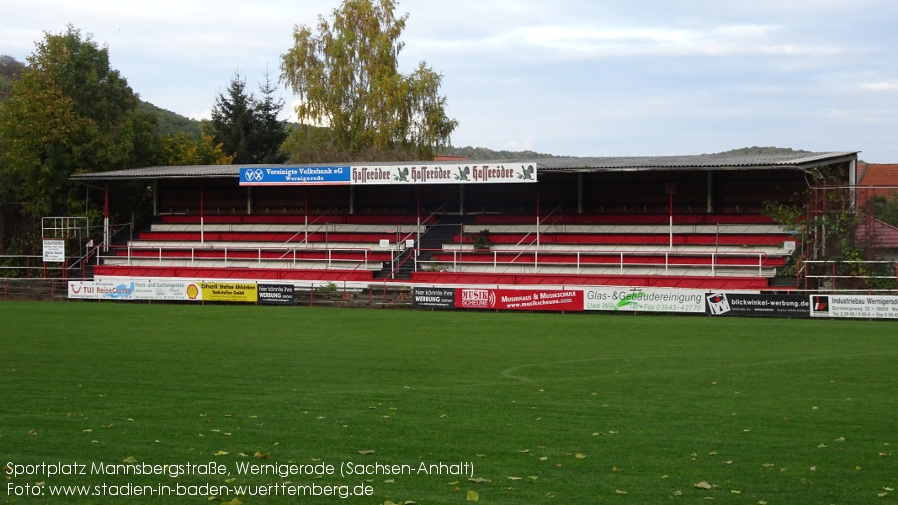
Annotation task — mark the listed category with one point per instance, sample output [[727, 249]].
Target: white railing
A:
[[581, 260], [289, 255]]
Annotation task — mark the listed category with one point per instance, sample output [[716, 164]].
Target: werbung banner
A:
[[434, 298], [645, 300], [519, 299]]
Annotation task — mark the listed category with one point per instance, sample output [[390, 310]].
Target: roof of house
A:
[[876, 180], [883, 234], [724, 161]]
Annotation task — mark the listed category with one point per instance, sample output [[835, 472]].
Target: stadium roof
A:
[[702, 162]]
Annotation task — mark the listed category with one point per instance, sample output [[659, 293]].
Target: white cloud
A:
[[880, 86]]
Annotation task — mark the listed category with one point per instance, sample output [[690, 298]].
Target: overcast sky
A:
[[567, 77]]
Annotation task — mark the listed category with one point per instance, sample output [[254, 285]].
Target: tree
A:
[[248, 127], [10, 70], [181, 149], [69, 112], [346, 77]]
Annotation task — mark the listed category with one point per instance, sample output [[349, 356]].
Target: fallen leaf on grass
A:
[[703, 485], [366, 451], [472, 496], [221, 453], [514, 478], [618, 491], [479, 479], [580, 455], [129, 459], [260, 455]]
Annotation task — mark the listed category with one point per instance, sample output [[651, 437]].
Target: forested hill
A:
[[483, 153], [171, 123]]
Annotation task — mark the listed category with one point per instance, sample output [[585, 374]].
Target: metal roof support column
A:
[[155, 189], [249, 200], [710, 198], [579, 192], [461, 199], [351, 200], [852, 181]]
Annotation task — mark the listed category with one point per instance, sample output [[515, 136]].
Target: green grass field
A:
[[546, 408]]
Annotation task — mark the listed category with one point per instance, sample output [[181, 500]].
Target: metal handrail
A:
[[225, 251], [667, 264]]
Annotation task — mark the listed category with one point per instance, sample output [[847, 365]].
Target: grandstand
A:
[[683, 221]]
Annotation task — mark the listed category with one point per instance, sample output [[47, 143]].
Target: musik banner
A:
[[519, 299]]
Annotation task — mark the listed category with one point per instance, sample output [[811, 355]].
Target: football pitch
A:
[[135, 403]]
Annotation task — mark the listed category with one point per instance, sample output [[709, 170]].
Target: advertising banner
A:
[[294, 176], [54, 251], [95, 290], [519, 299], [744, 304], [158, 289], [859, 306], [450, 173], [229, 291], [434, 298], [276, 294], [645, 300]]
